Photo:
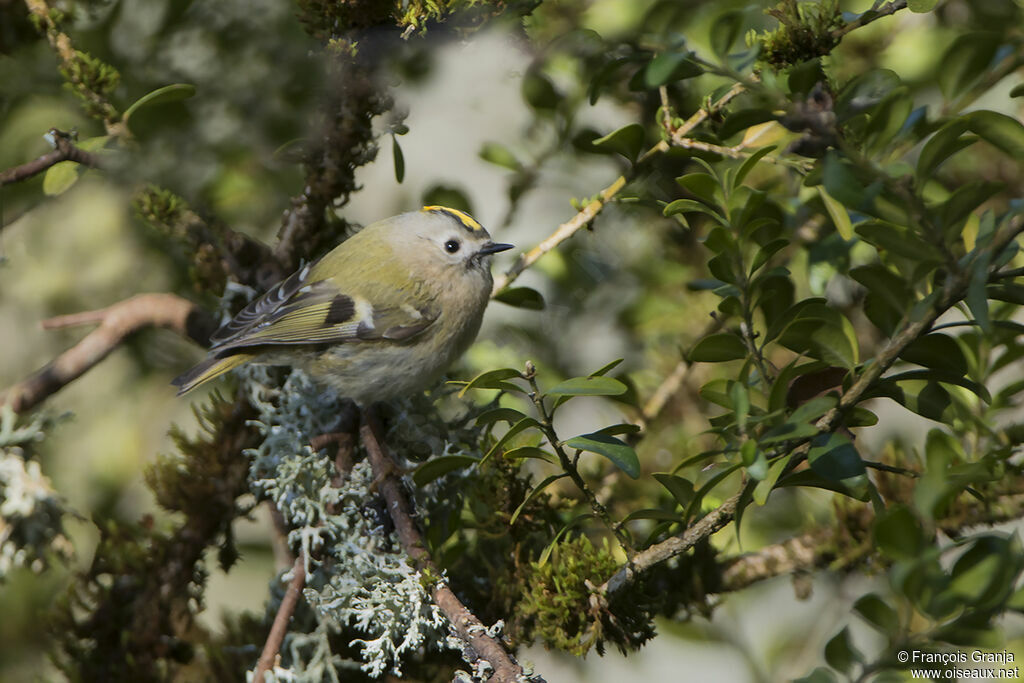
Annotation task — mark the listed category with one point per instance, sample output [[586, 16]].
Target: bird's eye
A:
[[452, 246]]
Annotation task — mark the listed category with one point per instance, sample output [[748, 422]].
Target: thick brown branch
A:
[[466, 625], [116, 323], [279, 629], [64, 150]]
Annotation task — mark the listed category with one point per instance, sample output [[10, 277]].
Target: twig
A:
[[64, 150], [866, 18], [564, 231], [117, 322], [589, 212], [467, 626], [954, 290], [569, 465], [284, 615]]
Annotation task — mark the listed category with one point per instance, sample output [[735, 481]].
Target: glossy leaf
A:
[[716, 348], [492, 379], [946, 142], [436, 468], [499, 155], [680, 488], [1003, 131], [620, 453], [878, 613], [168, 93], [670, 67], [521, 297], [398, 158], [837, 212], [833, 457], [937, 351], [627, 141], [60, 177], [725, 30]]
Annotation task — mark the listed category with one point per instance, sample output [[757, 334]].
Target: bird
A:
[[380, 316]]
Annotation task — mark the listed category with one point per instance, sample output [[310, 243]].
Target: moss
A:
[[806, 31]]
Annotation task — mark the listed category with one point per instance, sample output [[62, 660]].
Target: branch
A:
[[954, 290], [64, 150], [116, 323], [817, 549], [272, 648], [866, 18], [564, 231], [466, 625], [589, 212]]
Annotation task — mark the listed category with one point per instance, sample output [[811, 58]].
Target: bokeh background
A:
[[259, 78]]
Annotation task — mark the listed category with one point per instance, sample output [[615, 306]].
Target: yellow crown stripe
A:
[[462, 217]]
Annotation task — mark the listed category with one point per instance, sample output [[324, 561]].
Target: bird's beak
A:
[[494, 248]]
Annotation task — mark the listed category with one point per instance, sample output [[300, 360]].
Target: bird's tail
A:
[[207, 370]]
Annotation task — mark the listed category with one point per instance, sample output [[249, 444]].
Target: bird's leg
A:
[[384, 465]]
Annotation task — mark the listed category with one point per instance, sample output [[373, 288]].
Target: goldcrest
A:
[[381, 315]]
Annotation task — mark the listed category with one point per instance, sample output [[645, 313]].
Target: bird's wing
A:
[[304, 310]]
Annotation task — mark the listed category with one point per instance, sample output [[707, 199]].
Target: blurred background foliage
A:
[[858, 186]]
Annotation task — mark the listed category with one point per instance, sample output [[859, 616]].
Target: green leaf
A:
[[436, 468], [823, 333], [863, 93], [833, 457], [499, 155], [889, 296], [60, 177], [606, 368], [977, 295], [539, 92], [937, 375], [627, 141], [525, 423], [399, 159], [921, 6], [716, 348], [748, 165], [742, 120], [1000, 130], [493, 415], [620, 453], [492, 379], [670, 67], [819, 675], [680, 488], [588, 386], [945, 143], [168, 93], [726, 28], [837, 212], [533, 494], [898, 533], [703, 185], [878, 613], [840, 653], [767, 484], [899, 240], [546, 553], [521, 297], [615, 430], [965, 60], [937, 351], [529, 452], [690, 206]]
